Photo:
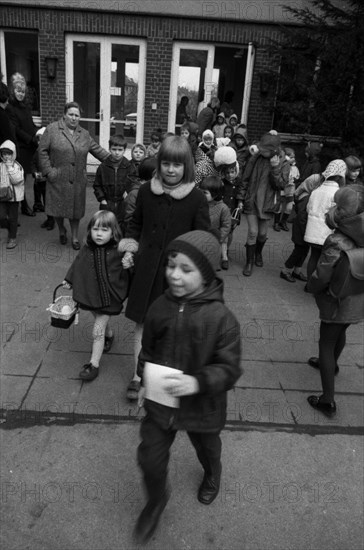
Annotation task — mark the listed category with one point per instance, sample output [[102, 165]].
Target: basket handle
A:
[[55, 291]]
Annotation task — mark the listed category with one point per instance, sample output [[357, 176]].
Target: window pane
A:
[[191, 83], [86, 78], [124, 90], [22, 56]]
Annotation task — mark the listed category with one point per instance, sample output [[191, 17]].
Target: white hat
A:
[[224, 155]]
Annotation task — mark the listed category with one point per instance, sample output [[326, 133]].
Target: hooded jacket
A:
[[217, 128], [201, 337], [348, 235], [13, 173], [242, 153], [319, 203]]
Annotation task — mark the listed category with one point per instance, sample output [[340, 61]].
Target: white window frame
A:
[[210, 48], [105, 80]]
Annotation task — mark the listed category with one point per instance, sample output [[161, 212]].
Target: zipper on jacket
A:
[[179, 335]]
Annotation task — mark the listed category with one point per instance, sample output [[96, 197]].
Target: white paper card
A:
[[154, 380]]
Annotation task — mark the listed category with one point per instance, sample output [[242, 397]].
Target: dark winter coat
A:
[[201, 337], [21, 118], [261, 183], [63, 159], [157, 220], [205, 119], [98, 279], [111, 183], [312, 165], [242, 153], [7, 130], [348, 235], [233, 192]]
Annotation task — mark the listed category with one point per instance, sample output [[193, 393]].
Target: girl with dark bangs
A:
[[167, 206]]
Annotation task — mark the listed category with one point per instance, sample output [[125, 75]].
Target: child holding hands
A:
[[166, 207], [99, 283], [190, 329]]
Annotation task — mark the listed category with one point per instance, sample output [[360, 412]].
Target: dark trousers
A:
[[39, 188], [313, 259], [298, 256], [332, 342], [153, 455], [9, 217]]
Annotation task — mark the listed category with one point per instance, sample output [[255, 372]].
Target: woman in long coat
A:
[[63, 153], [20, 116]]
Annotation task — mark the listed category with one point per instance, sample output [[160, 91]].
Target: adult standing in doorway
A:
[[63, 153], [20, 116], [207, 116]]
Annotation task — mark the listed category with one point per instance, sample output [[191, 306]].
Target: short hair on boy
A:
[[289, 151], [353, 162], [118, 140], [4, 92], [177, 149]]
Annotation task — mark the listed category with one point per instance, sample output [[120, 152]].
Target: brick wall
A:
[[160, 32]]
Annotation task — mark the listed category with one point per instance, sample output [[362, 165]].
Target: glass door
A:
[[192, 77], [202, 71], [106, 76]]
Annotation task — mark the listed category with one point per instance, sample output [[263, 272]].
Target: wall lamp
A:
[[51, 66]]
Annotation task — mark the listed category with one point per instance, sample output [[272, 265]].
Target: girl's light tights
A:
[[99, 331]]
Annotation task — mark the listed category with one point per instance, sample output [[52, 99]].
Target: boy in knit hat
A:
[[191, 351]]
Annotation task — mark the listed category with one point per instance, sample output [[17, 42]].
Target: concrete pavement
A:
[[292, 479]]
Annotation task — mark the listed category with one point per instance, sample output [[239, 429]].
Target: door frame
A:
[[210, 48], [105, 79]]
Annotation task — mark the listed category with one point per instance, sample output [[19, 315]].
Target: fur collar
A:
[[179, 193]]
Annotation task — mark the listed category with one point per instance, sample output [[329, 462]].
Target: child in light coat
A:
[[320, 201], [11, 177]]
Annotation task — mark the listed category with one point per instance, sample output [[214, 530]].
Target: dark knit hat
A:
[[203, 248]]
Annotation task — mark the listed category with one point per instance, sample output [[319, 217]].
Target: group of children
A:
[[155, 221]]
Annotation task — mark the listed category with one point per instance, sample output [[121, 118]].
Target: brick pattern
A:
[[160, 32]]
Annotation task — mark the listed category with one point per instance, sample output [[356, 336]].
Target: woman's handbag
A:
[[6, 193]]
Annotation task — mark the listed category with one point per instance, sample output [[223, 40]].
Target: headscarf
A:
[[335, 168]]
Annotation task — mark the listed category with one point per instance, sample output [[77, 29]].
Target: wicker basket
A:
[[59, 319]]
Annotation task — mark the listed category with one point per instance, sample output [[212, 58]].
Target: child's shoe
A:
[[149, 519], [108, 343], [328, 409], [11, 244], [38, 207], [133, 390], [89, 372], [224, 264]]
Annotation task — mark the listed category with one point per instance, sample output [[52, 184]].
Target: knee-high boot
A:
[[258, 253], [250, 252]]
